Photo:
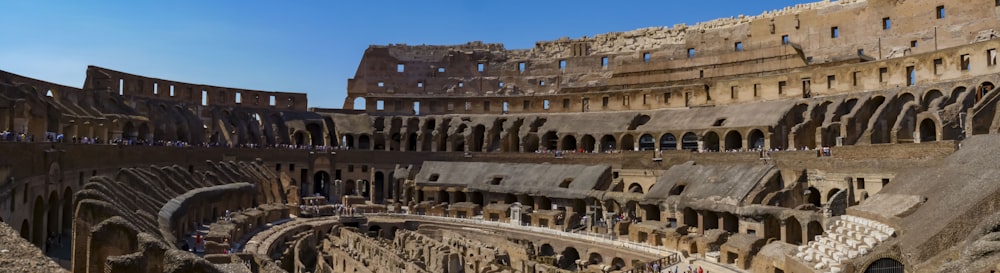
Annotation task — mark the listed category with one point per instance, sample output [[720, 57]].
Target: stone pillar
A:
[[805, 233], [784, 230], [701, 221]]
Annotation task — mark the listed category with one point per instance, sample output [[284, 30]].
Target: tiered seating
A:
[[847, 238]]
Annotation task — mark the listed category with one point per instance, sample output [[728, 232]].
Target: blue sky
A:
[[299, 46]]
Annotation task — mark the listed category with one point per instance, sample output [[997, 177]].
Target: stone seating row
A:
[[847, 238]]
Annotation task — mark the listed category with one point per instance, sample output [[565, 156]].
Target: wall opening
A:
[[272, 101], [416, 108], [991, 56], [204, 98], [911, 76], [885, 265], [121, 87], [400, 68], [171, 90], [886, 23], [156, 88], [604, 60]]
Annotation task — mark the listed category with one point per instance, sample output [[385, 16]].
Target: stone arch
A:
[[772, 227], [587, 143], [395, 139], [459, 197], [793, 231], [617, 263], [526, 200], [594, 258], [544, 202], [612, 206], [814, 197], [983, 90], [315, 134], [958, 95], [711, 141], [756, 139], [300, 137], [813, 229], [568, 259], [928, 130], [647, 142], [710, 220], [321, 182], [364, 142], [52, 220], [627, 142], [689, 141], [379, 188], [734, 141], [143, 132], [831, 193], [359, 103], [478, 138], [348, 141], [530, 142], [443, 197], [477, 198], [730, 222], [38, 223], [182, 132], [608, 143], [929, 97], [568, 143], [546, 250], [905, 118], [374, 231], [350, 187], [885, 265], [668, 142], [25, 230], [690, 217], [509, 198], [365, 188], [411, 142], [427, 140], [651, 212], [128, 131], [635, 188], [549, 141]]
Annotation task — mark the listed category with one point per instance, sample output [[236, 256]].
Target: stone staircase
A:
[[847, 238]]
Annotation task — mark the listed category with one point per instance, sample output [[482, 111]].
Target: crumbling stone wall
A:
[[159, 203]]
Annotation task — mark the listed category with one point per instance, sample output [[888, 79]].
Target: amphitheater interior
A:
[[836, 136]]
